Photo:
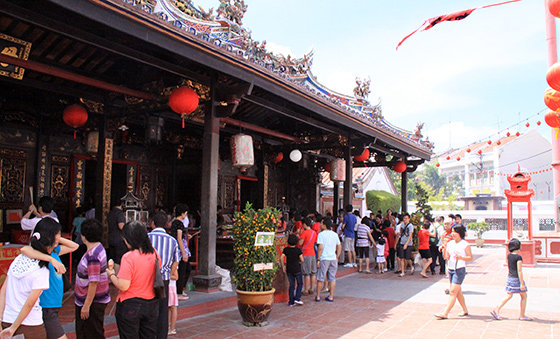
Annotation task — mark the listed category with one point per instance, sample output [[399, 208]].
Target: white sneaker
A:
[[354, 265], [298, 302], [384, 270], [348, 265]]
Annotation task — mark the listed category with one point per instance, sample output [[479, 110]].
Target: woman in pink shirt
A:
[[137, 307]]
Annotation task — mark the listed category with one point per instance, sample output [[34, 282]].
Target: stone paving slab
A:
[[386, 306]]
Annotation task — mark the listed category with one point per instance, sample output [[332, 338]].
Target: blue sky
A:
[[465, 80]]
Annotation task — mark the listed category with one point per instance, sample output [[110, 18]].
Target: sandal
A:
[[440, 316], [332, 300], [368, 272], [463, 314], [317, 299], [423, 275], [412, 271], [495, 315], [401, 275], [304, 293], [526, 319]]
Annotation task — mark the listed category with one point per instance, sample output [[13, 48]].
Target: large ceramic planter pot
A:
[[479, 242], [255, 307]]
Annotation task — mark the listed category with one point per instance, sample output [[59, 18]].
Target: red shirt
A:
[[309, 238], [140, 270], [386, 254], [423, 239], [316, 227], [390, 236], [297, 226]]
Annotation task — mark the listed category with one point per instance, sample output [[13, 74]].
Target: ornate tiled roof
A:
[[224, 29]]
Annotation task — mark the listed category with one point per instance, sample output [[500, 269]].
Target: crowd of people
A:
[[31, 296], [139, 254], [352, 240]]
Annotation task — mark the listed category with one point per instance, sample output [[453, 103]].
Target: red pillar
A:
[[529, 207], [551, 49], [509, 221]]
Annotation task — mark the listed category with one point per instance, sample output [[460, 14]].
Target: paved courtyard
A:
[[387, 306]]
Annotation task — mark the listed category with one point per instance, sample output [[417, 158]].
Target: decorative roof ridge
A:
[[225, 31]]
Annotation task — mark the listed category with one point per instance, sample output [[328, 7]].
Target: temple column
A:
[[348, 180], [404, 192], [207, 280]]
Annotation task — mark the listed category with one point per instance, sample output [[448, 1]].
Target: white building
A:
[[530, 151]]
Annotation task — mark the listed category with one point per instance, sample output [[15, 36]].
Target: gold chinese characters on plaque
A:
[[15, 48]]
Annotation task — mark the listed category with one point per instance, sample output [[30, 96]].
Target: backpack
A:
[[434, 240], [404, 232]]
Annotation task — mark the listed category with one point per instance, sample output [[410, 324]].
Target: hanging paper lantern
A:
[[554, 7], [362, 157], [508, 134], [489, 142], [553, 76], [278, 158], [552, 99], [448, 157], [399, 166], [437, 165], [327, 167], [242, 151], [517, 134], [458, 158], [75, 116], [498, 142], [295, 155], [552, 119], [538, 123], [479, 151], [183, 100], [338, 170], [468, 150], [527, 124]]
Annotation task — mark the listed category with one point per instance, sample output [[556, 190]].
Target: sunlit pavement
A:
[[388, 306]]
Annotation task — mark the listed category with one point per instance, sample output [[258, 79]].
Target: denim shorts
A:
[[457, 276], [513, 285]]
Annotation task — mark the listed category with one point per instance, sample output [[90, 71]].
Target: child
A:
[[173, 300], [293, 256], [515, 283], [386, 254], [380, 255], [51, 298]]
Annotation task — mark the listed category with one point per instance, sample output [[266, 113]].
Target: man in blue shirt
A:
[[348, 225], [168, 249]]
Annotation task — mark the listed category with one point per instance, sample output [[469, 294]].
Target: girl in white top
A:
[[457, 252], [26, 279]]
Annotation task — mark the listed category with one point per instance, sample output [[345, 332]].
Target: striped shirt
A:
[[363, 239], [92, 268], [167, 248]]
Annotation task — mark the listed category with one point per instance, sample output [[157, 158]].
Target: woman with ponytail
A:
[[26, 279], [137, 308]]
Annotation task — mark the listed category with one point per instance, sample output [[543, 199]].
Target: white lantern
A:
[[242, 151], [338, 170], [295, 155]]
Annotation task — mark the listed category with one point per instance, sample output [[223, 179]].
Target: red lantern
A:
[[527, 124], [183, 100], [553, 76], [328, 166], [458, 158], [538, 123], [517, 134], [399, 166], [554, 7], [508, 134], [552, 119], [498, 142], [75, 116], [437, 165], [278, 158], [479, 151], [362, 157], [448, 157], [489, 142], [552, 99], [468, 150]]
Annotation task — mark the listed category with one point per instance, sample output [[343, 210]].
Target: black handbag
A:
[[159, 287]]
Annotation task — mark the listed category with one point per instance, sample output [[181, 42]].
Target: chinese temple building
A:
[[85, 115]]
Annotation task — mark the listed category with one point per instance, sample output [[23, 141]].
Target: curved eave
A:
[[146, 27]]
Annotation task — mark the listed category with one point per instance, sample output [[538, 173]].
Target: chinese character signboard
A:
[[16, 48], [79, 172]]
